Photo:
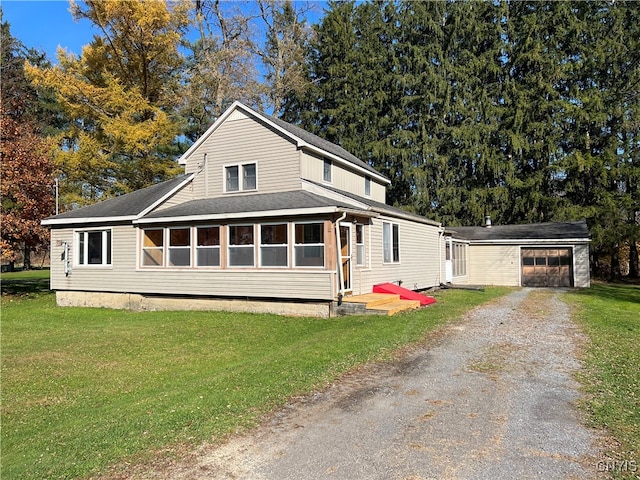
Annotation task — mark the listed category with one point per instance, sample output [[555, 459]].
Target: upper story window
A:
[[326, 172], [240, 177], [94, 247], [367, 186]]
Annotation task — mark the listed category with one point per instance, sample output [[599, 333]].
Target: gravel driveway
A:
[[490, 397]]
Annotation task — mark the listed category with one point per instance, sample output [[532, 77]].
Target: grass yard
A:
[[610, 316], [86, 389]]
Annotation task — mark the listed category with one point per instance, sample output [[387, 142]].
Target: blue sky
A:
[[45, 25]]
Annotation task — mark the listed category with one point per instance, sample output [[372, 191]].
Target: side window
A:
[[179, 247], [391, 242], [367, 186], [326, 172], [233, 183], [94, 247], [360, 253]]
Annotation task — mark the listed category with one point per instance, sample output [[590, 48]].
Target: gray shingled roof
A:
[[533, 231], [248, 203], [376, 206], [129, 204], [323, 144]]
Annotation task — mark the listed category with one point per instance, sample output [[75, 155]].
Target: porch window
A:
[[208, 246], [153, 247], [179, 247], [274, 249], [391, 242], [360, 258], [241, 246], [309, 245], [94, 247]]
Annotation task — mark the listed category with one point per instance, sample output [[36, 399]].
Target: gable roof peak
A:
[[301, 137]]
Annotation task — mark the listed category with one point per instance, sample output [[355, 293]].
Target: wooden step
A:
[[396, 306], [373, 299]]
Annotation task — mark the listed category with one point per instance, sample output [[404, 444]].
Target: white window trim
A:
[[240, 177], [76, 256], [229, 246], [317, 267], [281, 245]]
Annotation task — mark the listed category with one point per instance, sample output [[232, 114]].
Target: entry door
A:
[[345, 255], [448, 264]]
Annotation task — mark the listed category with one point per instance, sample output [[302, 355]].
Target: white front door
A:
[[448, 264], [345, 255]]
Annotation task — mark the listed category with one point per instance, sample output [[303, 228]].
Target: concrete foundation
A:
[[140, 302]]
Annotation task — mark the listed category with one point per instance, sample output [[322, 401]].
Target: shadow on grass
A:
[[21, 285], [618, 291]]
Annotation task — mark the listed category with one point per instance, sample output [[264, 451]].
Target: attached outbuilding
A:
[[532, 255]]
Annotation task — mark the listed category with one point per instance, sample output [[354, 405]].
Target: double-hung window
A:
[[208, 246], [179, 247], [241, 246], [274, 245], [360, 258], [309, 245], [240, 177], [153, 247], [391, 242], [94, 247], [367, 186]]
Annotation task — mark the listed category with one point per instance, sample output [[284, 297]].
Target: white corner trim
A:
[[166, 196]]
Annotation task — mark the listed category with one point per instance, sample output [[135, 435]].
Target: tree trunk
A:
[[633, 258], [26, 264], [614, 273]]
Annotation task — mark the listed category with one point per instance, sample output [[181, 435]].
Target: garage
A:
[[547, 267], [551, 254]]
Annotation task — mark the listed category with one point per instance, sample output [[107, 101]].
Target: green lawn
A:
[[610, 316], [85, 389]]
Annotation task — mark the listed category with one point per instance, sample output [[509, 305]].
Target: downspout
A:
[[339, 256]]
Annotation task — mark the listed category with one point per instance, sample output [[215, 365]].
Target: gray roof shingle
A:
[[534, 231], [323, 144], [127, 205], [248, 203]]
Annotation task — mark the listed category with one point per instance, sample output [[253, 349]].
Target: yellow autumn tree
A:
[[121, 94]]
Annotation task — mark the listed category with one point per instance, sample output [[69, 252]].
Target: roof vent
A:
[[487, 221]]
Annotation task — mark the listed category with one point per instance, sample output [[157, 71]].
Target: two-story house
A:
[[267, 217]]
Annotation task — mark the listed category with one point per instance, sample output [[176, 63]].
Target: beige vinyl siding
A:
[[242, 141], [420, 263], [581, 275], [342, 177], [184, 195], [494, 265], [123, 276]]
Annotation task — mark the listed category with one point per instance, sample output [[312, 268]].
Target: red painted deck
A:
[[405, 294]]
